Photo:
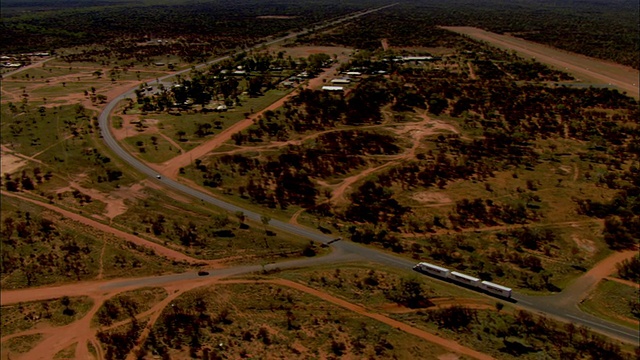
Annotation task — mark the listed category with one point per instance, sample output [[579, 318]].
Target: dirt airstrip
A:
[[583, 67]]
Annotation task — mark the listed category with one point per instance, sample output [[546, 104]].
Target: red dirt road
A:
[[58, 338], [623, 77], [583, 285]]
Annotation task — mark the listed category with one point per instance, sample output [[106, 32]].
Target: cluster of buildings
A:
[[15, 62]]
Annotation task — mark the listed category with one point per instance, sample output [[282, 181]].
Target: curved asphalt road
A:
[[343, 251]]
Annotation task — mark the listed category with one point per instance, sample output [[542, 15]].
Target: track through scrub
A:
[[157, 248], [446, 343]]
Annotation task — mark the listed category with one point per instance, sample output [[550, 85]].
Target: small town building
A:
[[341, 81]]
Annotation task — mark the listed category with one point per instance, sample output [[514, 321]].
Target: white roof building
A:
[[341, 81]]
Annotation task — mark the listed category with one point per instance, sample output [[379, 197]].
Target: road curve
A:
[[535, 304]]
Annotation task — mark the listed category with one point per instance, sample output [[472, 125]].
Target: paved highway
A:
[[342, 250]]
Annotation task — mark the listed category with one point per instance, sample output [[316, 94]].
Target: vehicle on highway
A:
[[334, 240], [203, 273], [463, 279], [158, 176]]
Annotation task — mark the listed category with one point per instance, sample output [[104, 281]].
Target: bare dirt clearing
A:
[[414, 131], [10, 163], [431, 197], [305, 51], [583, 67]]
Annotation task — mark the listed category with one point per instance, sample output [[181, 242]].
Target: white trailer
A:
[[341, 81], [496, 289], [433, 269], [464, 279]]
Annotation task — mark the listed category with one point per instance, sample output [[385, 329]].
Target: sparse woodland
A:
[[476, 159]]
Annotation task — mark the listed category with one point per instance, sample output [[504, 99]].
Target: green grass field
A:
[[151, 148], [613, 301]]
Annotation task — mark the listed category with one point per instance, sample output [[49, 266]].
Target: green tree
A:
[[409, 292]]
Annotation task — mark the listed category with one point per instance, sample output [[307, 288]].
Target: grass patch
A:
[[615, 302], [30, 130], [67, 353], [24, 316], [182, 127], [20, 345], [92, 350], [204, 232], [151, 148]]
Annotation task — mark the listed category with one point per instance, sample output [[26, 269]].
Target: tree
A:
[[265, 221], [437, 104], [409, 292], [616, 234], [630, 269], [454, 317], [241, 217], [180, 134], [11, 185], [65, 301]]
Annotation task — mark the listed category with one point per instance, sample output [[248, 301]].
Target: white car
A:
[[158, 176]]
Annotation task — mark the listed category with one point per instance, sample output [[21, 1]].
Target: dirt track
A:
[[449, 344], [58, 338], [586, 68], [582, 286], [159, 249]]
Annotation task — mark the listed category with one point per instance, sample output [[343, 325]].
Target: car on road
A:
[[203, 273], [334, 240], [158, 176]]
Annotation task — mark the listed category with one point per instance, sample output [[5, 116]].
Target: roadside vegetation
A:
[[223, 321], [615, 302], [19, 345], [57, 312], [630, 269], [381, 287], [480, 322], [127, 305]]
